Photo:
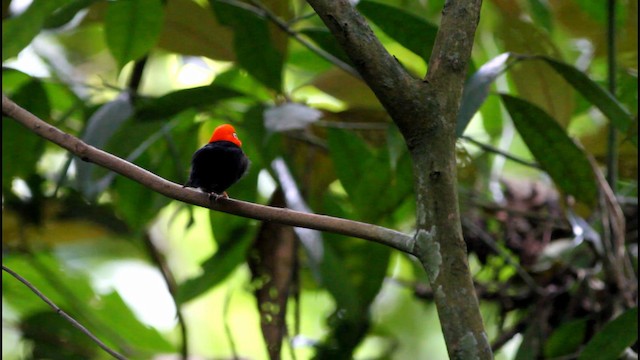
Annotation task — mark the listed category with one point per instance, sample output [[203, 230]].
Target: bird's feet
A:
[[215, 197]]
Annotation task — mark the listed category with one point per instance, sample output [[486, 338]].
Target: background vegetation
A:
[[552, 246]]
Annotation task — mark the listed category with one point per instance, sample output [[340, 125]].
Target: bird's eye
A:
[[235, 135]]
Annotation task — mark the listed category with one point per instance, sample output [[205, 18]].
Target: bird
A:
[[219, 164]]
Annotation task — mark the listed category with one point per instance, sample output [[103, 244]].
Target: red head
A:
[[225, 132]]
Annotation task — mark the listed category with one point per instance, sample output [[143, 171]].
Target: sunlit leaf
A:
[[411, 31]]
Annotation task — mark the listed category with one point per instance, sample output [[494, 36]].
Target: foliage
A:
[[540, 235]]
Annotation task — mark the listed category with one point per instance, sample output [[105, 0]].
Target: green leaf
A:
[[565, 339], [118, 317], [132, 28], [354, 161], [476, 89], [23, 147], [66, 13], [180, 100], [412, 32], [18, 32], [558, 155], [616, 336], [323, 38], [215, 269], [253, 44], [188, 19], [595, 94]]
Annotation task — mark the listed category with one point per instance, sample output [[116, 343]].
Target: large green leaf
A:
[[18, 32], [411, 31], [253, 44], [558, 155], [22, 148], [180, 100], [132, 28], [565, 339], [595, 94], [215, 269], [367, 172], [187, 19], [616, 336]]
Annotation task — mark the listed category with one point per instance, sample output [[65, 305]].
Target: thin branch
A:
[[612, 140], [64, 314], [382, 235], [262, 11], [160, 261], [497, 151]]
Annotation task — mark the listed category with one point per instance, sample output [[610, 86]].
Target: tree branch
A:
[[66, 316], [425, 112], [382, 235]]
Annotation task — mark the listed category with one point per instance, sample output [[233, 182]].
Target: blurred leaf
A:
[[180, 100], [602, 99], [66, 13], [25, 147], [536, 82], [555, 151], [114, 314], [273, 264], [215, 269], [541, 14], [100, 128], [18, 32], [476, 89], [255, 49], [566, 339], [290, 116], [531, 342], [132, 28], [57, 339], [365, 173], [323, 38], [412, 32], [343, 86], [616, 336], [187, 19]]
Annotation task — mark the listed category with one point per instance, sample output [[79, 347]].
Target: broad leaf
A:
[[180, 100], [595, 94], [253, 44], [18, 32], [616, 336], [558, 155], [22, 146]]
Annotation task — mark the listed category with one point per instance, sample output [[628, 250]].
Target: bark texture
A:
[[425, 111]]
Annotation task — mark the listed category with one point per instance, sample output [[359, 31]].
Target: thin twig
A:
[[64, 314], [385, 236], [261, 10], [497, 151], [160, 261]]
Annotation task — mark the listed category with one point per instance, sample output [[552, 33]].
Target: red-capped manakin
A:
[[219, 164]]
